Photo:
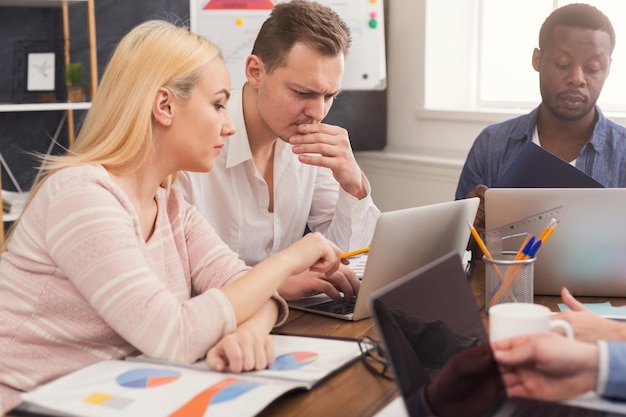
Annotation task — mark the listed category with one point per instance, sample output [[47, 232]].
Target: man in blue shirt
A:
[[573, 61]]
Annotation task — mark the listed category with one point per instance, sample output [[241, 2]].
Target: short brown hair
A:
[[308, 22]]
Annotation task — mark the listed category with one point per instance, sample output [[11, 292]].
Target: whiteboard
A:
[[233, 25]]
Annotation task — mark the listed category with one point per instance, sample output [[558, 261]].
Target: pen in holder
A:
[[507, 279]]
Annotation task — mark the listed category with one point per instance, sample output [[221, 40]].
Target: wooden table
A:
[[354, 391]]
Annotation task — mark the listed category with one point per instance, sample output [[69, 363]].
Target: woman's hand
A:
[[309, 283], [242, 350], [313, 251], [249, 292], [587, 325]]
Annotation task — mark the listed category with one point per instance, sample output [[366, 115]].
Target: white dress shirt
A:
[[234, 197]]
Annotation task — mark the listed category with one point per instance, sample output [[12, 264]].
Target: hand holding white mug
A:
[[515, 319]]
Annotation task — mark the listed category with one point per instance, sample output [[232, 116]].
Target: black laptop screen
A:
[[433, 334]]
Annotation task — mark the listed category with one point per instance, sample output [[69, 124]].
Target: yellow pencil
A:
[[486, 252], [520, 253], [548, 234], [480, 242], [550, 227], [355, 252]]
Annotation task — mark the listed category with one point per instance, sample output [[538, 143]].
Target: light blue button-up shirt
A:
[[603, 157], [612, 369]]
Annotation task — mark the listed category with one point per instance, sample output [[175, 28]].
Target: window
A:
[[479, 57]]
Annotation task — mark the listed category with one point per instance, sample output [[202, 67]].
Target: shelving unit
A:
[[65, 106], [28, 107]]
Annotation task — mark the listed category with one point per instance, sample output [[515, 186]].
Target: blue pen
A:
[[534, 249], [528, 246]]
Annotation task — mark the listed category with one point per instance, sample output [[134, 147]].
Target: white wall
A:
[[425, 149]]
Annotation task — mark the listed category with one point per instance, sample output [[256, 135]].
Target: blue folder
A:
[[535, 167]]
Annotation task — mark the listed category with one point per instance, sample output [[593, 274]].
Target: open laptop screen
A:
[[432, 331], [433, 334], [585, 253]]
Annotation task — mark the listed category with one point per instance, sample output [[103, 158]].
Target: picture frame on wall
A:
[[38, 68], [40, 71]]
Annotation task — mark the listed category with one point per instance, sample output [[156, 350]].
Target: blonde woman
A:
[[108, 260]]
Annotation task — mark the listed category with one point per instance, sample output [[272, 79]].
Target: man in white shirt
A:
[[284, 170]]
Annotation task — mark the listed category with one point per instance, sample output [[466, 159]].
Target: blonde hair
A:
[[117, 131]]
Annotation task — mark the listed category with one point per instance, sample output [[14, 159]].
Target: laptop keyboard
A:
[[357, 264], [341, 307]]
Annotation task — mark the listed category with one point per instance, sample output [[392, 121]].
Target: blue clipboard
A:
[[535, 167]]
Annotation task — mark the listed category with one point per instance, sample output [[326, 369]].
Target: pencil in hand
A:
[[355, 252]]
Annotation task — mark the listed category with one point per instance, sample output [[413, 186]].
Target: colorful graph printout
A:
[[293, 360], [225, 390], [141, 386], [147, 378]]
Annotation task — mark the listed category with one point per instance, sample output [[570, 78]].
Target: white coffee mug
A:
[[515, 319]]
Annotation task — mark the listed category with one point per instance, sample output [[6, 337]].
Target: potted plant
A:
[[75, 78]]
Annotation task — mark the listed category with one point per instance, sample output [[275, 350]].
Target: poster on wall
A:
[[233, 26], [40, 70]]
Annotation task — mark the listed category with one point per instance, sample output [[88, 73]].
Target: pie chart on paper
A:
[[147, 377], [293, 360]]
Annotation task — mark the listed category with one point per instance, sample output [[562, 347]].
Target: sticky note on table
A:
[[605, 309]]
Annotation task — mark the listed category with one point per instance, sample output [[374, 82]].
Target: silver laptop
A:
[[585, 252], [403, 240], [432, 333]]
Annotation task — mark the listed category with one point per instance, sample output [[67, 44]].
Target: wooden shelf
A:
[[65, 106], [10, 107], [10, 217], [37, 3]]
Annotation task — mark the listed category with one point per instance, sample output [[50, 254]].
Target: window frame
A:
[[471, 95]]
